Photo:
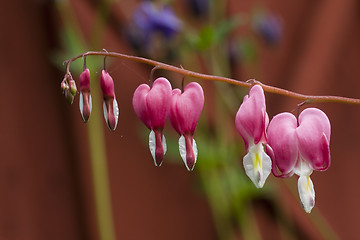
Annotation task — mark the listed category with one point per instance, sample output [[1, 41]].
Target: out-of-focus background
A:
[[63, 179]]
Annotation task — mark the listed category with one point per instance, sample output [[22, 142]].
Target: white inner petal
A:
[[116, 112], [164, 143], [105, 112], [152, 145], [306, 192], [302, 168], [81, 105], [182, 150], [90, 103], [257, 165], [195, 150]]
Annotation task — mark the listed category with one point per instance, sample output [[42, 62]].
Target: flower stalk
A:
[[249, 83]]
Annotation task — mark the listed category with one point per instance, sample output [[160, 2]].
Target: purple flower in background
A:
[[149, 19], [269, 27], [153, 29], [199, 8]]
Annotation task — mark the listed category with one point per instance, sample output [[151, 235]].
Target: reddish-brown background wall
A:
[[45, 186]]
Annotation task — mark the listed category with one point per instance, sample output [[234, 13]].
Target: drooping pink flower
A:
[[110, 105], [251, 122], [300, 146], [184, 115], [85, 103], [151, 105]]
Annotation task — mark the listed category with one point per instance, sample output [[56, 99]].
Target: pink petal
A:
[[85, 105], [158, 102], [282, 140], [251, 118], [159, 150], [190, 155], [84, 80], [313, 136], [139, 104], [188, 108], [274, 169], [107, 85], [173, 113], [152, 105]]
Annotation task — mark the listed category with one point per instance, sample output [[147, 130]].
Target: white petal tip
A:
[[182, 150], [85, 117], [152, 147], [114, 117], [257, 165], [306, 192]]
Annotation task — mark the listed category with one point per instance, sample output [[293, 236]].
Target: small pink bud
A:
[[68, 96], [64, 86], [72, 86], [152, 106], [110, 105], [85, 102], [185, 111]]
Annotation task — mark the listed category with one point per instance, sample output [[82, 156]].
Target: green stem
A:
[[267, 88], [97, 141], [100, 173]]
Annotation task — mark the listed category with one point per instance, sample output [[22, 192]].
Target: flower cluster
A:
[[110, 106], [68, 87], [153, 105], [286, 145], [292, 145]]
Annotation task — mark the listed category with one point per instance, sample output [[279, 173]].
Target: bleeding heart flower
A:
[[300, 147], [184, 115], [251, 122], [151, 105], [110, 105], [85, 103]]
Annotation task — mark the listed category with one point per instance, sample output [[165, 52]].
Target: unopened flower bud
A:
[[85, 103], [110, 105], [64, 85], [72, 86], [68, 96], [66, 89]]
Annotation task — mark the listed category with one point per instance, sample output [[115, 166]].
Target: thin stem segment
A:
[[267, 88]]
